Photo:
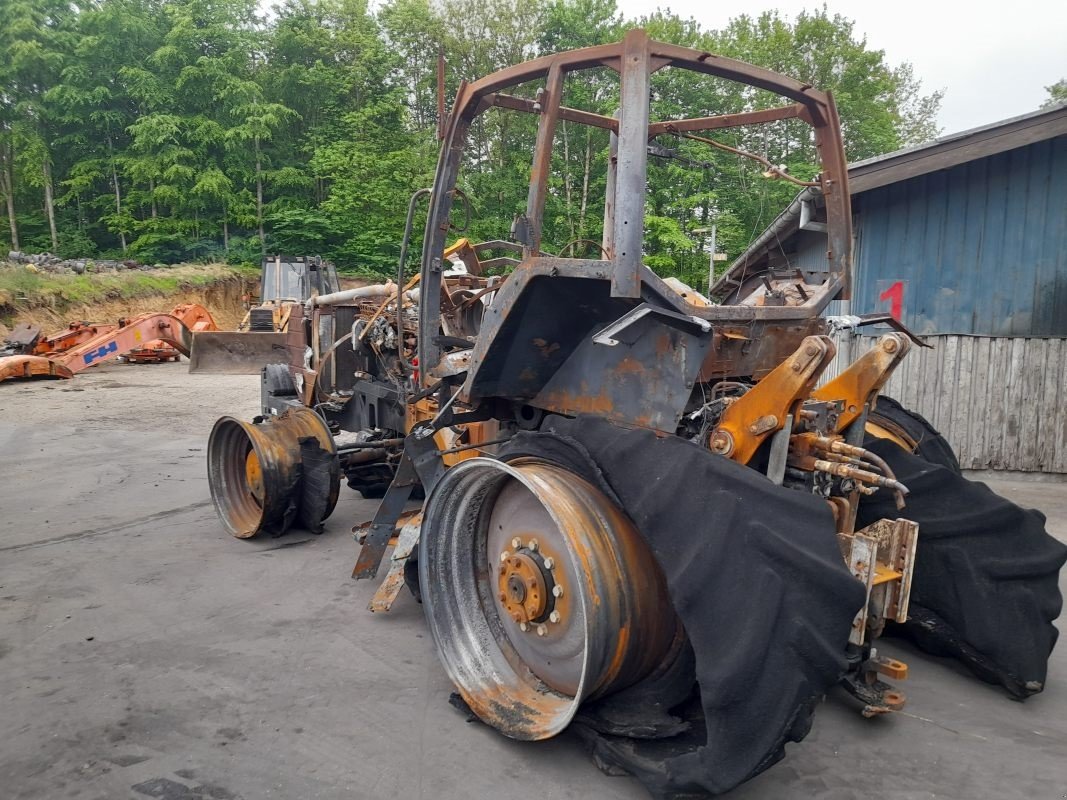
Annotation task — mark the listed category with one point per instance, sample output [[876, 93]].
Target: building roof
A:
[[900, 165], [958, 148]]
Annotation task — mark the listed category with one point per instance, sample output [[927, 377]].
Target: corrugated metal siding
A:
[[982, 246], [998, 401]]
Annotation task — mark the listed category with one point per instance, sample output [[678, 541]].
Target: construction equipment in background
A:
[[285, 282], [644, 517], [76, 349], [27, 339]]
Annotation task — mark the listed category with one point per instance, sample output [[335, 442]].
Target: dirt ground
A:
[[145, 653]]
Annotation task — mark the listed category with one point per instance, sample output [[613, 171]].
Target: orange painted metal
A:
[[174, 330], [763, 410], [31, 367], [75, 334], [860, 383]]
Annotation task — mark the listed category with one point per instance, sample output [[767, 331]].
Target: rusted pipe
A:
[[337, 298]]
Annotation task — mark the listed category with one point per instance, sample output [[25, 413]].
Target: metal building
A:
[[965, 241]]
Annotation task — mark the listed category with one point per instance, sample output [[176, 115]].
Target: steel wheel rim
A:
[[625, 634]]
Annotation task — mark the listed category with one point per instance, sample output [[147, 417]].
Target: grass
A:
[[22, 288]]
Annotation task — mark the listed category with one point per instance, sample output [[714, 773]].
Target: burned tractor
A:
[[645, 516]]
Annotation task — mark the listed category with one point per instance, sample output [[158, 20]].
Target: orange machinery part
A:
[[175, 330], [75, 334]]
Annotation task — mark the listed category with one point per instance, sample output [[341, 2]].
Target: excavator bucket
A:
[[236, 352], [12, 367]]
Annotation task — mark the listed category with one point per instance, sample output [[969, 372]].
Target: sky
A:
[[993, 60]]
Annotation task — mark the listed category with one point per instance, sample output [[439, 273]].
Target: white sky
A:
[[993, 59]]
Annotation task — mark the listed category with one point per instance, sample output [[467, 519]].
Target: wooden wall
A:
[[999, 401]]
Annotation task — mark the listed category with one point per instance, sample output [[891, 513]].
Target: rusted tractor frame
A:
[[540, 591], [636, 58], [608, 337]]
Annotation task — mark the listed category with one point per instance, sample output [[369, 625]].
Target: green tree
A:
[[36, 38], [1057, 94]]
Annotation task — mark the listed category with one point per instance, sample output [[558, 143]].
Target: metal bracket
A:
[[882, 557], [385, 519], [406, 543], [861, 381], [607, 336]]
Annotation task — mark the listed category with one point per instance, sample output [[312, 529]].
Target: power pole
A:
[[711, 262]]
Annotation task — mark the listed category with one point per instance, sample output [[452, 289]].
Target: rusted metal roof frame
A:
[[636, 58]]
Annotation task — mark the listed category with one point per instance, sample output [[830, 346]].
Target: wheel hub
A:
[[254, 476], [526, 586]]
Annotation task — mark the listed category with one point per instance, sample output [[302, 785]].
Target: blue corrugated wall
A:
[[981, 248]]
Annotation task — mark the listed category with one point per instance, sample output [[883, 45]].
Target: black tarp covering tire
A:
[[755, 574], [986, 583], [929, 443]]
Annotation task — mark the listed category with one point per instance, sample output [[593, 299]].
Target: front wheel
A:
[[539, 593]]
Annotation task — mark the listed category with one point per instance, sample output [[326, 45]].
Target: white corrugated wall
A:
[[998, 401]]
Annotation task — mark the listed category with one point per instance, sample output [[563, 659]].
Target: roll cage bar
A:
[[635, 59]]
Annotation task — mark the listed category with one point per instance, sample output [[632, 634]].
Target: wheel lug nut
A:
[[553, 617], [523, 627], [504, 556], [516, 542], [541, 630], [557, 591], [532, 545], [550, 562]]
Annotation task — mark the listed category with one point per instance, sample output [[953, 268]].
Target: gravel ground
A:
[[144, 653]]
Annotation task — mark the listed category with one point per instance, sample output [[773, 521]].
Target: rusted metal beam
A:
[[726, 120], [630, 180], [576, 115], [541, 170]]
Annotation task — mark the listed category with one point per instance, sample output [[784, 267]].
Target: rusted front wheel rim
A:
[[254, 469], [525, 665]]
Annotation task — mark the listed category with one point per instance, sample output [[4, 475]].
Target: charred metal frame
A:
[[635, 59]]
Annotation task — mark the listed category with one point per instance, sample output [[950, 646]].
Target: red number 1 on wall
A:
[[895, 295]]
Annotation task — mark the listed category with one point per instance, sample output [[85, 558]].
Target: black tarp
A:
[[986, 583], [755, 574]]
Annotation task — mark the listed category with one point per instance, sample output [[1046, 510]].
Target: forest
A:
[[186, 130]]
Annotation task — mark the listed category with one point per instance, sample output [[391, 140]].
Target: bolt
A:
[[721, 443], [557, 591], [550, 562], [533, 545], [523, 627], [889, 345], [504, 556], [541, 630], [811, 349], [554, 617], [516, 542]]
